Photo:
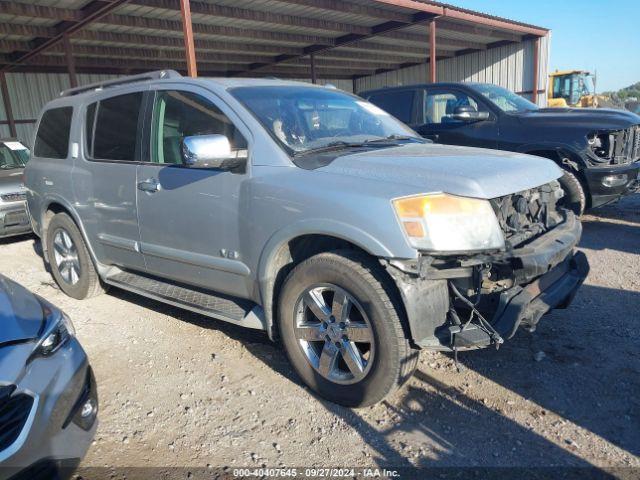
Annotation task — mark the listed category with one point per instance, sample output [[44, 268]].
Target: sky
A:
[[594, 35]]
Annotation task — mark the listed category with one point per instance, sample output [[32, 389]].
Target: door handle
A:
[[150, 185]]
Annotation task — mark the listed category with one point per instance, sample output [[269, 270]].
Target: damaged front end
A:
[[461, 302]]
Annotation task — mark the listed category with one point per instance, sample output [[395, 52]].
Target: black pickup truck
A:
[[598, 149]]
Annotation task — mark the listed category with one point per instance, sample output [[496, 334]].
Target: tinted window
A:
[[52, 139], [116, 130], [182, 114], [399, 104]]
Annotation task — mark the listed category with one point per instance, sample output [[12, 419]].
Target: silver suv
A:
[[303, 211]]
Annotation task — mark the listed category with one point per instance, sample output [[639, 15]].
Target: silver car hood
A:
[[21, 315], [11, 181], [464, 171]]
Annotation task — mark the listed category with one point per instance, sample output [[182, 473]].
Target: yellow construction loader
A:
[[574, 88]]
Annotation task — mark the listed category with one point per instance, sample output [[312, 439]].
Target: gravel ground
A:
[[178, 389]]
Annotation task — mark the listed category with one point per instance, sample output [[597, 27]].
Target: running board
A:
[[238, 311]]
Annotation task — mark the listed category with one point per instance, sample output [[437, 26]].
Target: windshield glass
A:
[[303, 119], [504, 99], [587, 86], [13, 155]]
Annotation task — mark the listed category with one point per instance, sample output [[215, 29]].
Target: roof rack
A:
[[156, 75]]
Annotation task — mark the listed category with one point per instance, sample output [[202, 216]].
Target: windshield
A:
[[587, 86], [504, 99], [304, 119], [13, 155]]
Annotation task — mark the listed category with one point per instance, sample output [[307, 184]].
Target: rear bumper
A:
[[608, 184], [14, 219]]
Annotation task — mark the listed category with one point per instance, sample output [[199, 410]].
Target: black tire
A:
[[88, 282], [363, 279], [574, 196]]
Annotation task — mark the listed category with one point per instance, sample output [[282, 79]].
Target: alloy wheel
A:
[[334, 333], [66, 257]]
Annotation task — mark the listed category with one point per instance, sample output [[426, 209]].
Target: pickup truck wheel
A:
[[69, 259], [342, 331], [574, 197]]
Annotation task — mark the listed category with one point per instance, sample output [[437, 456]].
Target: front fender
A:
[[562, 149], [269, 261]]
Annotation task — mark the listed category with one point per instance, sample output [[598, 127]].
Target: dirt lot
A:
[[178, 389]]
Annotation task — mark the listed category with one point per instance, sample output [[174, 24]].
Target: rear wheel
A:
[[69, 259], [574, 197], [342, 331]]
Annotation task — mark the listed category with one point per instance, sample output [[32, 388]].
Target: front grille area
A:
[[14, 197], [526, 215], [626, 146], [14, 411]]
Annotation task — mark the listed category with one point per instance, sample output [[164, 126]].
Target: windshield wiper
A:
[[395, 137], [338, 145], [391, 140]]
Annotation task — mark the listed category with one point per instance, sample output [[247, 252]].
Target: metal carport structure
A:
[[355, 44]]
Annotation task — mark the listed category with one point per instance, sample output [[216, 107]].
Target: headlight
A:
[[447, 223], [58, 332], [601, 145]]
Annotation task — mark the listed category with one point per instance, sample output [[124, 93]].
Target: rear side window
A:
[[115, 134], [399, 104], [52, 139]]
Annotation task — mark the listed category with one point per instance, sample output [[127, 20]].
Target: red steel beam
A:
[[90, 13], [7, 105], [71, 63], [432, 51], [187, 28], [469, 16]]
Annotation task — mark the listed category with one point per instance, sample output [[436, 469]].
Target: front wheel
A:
[[574, 197], [342, 331]]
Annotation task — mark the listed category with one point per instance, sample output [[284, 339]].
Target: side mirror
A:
[[466, 113], [210, 151]]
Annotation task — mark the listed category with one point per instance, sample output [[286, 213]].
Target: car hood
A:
[[11, 181], [601, 118], [463, 171], [21, 315]]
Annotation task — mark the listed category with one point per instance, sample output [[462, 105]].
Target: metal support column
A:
[[314, 78], [71, 62], [187, 28], [536, 69], [432, 51], [7, 105]]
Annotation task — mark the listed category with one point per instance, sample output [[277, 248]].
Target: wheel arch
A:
[[567, 160], [53, 207], [294, 245]]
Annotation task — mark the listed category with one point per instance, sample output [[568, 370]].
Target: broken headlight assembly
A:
[[601, 145], [446, 223]]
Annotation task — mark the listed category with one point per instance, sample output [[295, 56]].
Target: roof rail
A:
[[156, 75]]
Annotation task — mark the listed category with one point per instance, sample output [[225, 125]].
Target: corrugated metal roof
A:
[[282, 24]]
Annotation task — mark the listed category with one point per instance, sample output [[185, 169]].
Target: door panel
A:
[[105, 179], [189, 222], [439, 126]]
